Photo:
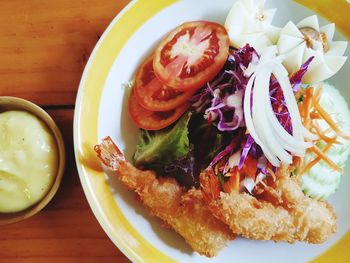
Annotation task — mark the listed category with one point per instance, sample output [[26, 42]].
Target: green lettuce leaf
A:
[[163, 146]]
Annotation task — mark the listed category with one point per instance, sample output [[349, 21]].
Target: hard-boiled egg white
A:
[[306, 39], [248, 22]]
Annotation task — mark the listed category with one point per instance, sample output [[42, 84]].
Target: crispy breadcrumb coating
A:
[[185, 211], [291, 216]]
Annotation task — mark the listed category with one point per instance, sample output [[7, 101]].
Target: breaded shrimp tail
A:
[[184, 211], [291, 217]]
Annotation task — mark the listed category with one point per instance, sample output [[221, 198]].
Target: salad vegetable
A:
[[152, 94], [182, 151], [245, 132], [260, 118], [248, 22], [152, 120], [191, 55], [183, 62], [222, 98], [251, 109], [163, 146], [307, 39], [320, 181]]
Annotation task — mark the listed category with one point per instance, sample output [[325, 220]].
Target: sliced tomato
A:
[[152, 94], [153, 120], [191, 55]]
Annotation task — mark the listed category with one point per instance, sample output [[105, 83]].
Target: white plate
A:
[[101, 111]]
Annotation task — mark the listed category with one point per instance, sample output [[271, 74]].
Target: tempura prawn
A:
[[290, 216], [185, 211]]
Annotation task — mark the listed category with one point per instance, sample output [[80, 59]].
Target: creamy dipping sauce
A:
[[28, 160]]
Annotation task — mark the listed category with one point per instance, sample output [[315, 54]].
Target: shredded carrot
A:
[[228, 174], [262, 182], [325, 158], [232, 184], [330, 121], [307, 103], [298, 163], [322, 112], [250, 167], [314, 115], [300, 107], [314, 133], [323, 136], [326, 117], [273, 175], [237, 180], [318, 93], [316, 160], [213, 186], [328, 130], [344, 135], [310, 110]]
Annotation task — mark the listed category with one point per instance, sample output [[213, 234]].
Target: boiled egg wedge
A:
[[249, 22], [299, 42]]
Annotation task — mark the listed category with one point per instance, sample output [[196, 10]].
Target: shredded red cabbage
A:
[[280, 110], [221, 103], [246, 148], [296, 78], [262, 164], [277, 99], [221, 99], [224, 153]]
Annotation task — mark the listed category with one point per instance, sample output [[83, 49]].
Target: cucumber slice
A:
[[321, 181], [317, 189]]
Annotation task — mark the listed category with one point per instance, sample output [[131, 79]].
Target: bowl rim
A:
[[8, 103]]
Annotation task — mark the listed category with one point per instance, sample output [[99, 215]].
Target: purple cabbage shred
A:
[[297, 77], [224, 153], [221, 102]]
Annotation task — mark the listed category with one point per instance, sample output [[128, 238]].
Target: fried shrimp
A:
[[290, 216], [184, 211]]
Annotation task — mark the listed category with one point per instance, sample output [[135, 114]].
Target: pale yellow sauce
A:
[[28, 160]]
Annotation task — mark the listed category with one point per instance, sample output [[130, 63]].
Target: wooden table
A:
[[44, 45]]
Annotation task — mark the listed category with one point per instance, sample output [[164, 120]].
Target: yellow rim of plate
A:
[[108, 213]]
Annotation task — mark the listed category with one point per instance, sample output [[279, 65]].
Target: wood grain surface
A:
[[44, 45]]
